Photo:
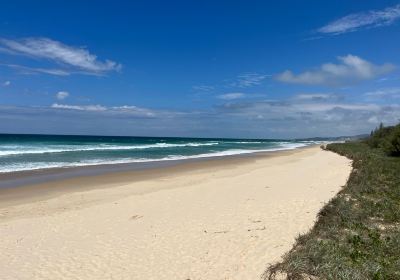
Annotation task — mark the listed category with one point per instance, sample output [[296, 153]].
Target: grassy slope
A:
[[357, 234]]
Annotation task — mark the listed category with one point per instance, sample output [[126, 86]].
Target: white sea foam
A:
[[245, 142], [47, 165], [19, 150]]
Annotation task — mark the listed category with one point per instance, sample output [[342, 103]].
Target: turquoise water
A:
[[31, 152]]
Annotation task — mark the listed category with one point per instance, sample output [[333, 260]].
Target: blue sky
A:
[[248, 69]]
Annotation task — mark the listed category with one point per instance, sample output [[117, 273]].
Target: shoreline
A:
[[214, 219], [13, 178], [26, 186]]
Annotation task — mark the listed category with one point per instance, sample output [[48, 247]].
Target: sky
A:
[[240, 69]]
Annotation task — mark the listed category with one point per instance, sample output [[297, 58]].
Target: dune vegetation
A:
[[357, 234]]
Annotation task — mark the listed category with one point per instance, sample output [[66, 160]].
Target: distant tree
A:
[[391, 145], [386, 138]]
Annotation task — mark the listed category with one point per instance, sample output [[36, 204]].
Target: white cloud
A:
[[278, 119], [203, 88], [61, 95], [385, 92], [322, 107], [351, 69], [245, 80], [373, 120], [249, 80], [125, 109], [307, 117], [79, 107], [7, 83], [369, 19], [313, 96], [231, 96], [31, 70], [134, 110], [78, 58]]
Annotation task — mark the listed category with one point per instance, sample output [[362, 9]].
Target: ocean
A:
[[34, 152]]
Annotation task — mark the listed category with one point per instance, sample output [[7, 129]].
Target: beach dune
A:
[[216, 220]]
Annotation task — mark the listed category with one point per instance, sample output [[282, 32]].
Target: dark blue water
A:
[[30, 152]]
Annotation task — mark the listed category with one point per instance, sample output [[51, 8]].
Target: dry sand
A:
[[210, 222]]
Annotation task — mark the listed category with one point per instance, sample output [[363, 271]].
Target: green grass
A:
[[357, 234]]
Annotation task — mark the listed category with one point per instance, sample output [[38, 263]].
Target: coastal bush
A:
[[386, 138], [391, 144], [357, 234]]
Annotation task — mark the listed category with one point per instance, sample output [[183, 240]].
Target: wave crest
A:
[[17, 150]]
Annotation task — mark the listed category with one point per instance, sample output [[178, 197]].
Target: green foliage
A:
[[357, 234], [386, 138], [391, 144]]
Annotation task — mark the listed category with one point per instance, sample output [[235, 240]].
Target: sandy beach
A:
[[207, 220]]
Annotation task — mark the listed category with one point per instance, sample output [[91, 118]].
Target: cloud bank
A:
[[384, 93], [349, 70], [303, 115]]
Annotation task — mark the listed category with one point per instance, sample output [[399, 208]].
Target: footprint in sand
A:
[[135, 217]]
